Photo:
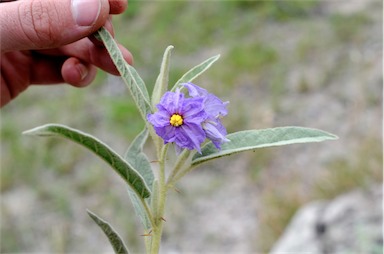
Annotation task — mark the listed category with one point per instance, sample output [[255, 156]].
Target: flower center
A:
[[176, 120]]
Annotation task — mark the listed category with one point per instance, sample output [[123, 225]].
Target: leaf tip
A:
[[27, 132], [42, 130], [333, 136], [31, 132]]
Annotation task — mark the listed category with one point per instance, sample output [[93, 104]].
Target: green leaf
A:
[[115, 240], [196, 71], [252, 139], [139, 160], [121, 167], [159, 89], [135, 157], [140, 210], [161, 84], [130, 76]]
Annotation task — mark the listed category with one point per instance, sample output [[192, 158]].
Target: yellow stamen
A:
[[176, 120]]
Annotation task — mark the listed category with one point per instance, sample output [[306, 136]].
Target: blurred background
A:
[[308, 63]]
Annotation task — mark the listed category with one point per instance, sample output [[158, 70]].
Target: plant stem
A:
[[183, 173], [178, 165], [159, 219], [147, 240]]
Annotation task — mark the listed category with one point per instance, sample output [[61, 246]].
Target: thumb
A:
[[41, 24]]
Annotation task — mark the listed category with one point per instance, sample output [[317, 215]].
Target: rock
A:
[[350, 223]]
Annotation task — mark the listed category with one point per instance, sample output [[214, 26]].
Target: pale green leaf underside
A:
[[115, 240], [137, 158], [252, 139], [161, 84], [139, 209], [196, 71], [121, 167], [130, 76]]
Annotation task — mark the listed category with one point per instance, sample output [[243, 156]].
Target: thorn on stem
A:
[[177, 190], [147, 234]]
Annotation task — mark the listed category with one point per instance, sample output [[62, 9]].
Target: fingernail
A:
[[83, 70], [85, 12]]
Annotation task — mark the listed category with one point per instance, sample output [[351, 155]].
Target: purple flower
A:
[[188, 121], [215, 109], [179, 120]]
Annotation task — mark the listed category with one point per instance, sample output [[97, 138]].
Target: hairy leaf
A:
[[252, 139], [137, 158], [115, 240], [159, 89], [161, 84], [121, 167], [130, 76], [196, 71], [140, 210]]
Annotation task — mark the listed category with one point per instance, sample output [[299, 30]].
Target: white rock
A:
[[351, 223]]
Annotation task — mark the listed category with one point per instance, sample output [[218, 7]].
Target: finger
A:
[[53, 70], [100, 57], [108, 25], [5, 92], [117, 6], [42, 24], [11, 83], [46, 69], [77, 73], [87, 52], [36, 70]]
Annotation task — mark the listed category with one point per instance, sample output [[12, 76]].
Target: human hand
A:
[[51, 42]]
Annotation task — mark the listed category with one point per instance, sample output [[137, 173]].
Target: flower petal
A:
[[167, 133], [171, 102], [216, 132], [159, 119], [195, 90], [195, 135], [214, 106], [193, 110]]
